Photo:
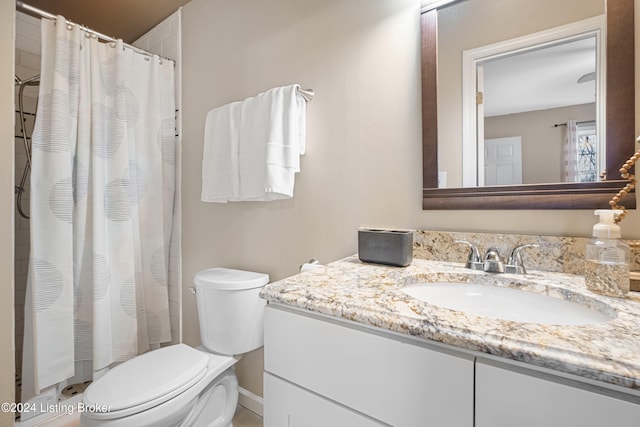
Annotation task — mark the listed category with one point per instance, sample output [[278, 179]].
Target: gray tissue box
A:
[[390, 247]]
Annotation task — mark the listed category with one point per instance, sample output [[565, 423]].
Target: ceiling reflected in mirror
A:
[[555, 76]]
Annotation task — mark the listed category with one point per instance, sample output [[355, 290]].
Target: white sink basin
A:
[[505, 303]]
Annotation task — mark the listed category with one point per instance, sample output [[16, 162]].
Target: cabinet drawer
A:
[[287, 405], [379, 374], [507, 397]]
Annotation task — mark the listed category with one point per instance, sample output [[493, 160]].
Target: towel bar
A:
[[307, 94]]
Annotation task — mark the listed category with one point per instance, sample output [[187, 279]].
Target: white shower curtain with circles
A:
[[102, 192]]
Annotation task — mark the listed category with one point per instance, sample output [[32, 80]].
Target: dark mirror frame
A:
[[620, 116]]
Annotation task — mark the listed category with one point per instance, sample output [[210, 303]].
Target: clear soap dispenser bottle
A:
[[607, 257]]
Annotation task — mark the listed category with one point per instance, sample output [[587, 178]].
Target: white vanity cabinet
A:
[[508, 396], [325, 372], [320, 372], [291, 406]]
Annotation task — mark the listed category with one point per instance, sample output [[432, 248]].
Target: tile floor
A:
[[246, 418]]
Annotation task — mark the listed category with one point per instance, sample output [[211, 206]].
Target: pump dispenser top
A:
[[607, 228]]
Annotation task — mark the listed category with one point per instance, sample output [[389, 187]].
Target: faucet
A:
[[473, 260], [514, 263], [492, 263]]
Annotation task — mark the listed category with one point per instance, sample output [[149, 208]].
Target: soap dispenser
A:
[[607, 257]]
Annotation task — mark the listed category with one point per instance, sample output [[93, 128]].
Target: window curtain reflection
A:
[[570, 152]]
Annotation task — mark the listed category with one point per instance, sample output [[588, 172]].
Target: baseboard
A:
[[251, 401]]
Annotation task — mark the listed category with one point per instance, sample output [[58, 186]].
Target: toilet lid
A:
[[148, 377], [228, 279]]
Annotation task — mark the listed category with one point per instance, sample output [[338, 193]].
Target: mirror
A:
[[519, 97], [544, 187]]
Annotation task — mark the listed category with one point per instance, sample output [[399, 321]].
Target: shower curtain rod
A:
[[39, 12]]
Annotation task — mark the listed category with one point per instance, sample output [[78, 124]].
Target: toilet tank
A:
[[230, 310]]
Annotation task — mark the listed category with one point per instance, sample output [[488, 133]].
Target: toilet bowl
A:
[[166, 387], [179, 385]]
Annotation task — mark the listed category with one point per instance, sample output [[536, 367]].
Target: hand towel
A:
[[220, 179], [272, 139], [255, 127]]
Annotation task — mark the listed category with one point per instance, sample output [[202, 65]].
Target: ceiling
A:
[[540, 79], [121, 19]]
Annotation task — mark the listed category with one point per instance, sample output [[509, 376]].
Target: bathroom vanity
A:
[[345, 346]]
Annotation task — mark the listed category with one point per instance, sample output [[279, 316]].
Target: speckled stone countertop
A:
[[370, 294]]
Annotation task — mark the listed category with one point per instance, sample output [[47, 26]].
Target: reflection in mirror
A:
[[473, 24], [541, 106], [522, 92]]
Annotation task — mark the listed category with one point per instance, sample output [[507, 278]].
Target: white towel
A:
[[220, 179], [287, 142], [269, 140], [272, 139], [255, 127]]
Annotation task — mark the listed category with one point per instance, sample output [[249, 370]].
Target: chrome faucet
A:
[[492, 262], [473, 260], [514, 263]]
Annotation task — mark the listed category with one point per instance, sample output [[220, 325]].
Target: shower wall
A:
[[27, 62]]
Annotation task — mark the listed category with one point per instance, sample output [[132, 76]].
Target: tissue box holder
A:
[[389, 247]]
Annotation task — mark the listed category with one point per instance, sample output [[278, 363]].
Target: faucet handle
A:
[[515, 265], [473, 259], [492, 261]]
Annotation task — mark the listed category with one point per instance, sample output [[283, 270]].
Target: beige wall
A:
[[363, 164], [542, 143], [7, 381], [363, 131]]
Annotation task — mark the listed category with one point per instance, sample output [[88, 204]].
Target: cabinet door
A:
[[507, 398], [287, 405], [387, 377]]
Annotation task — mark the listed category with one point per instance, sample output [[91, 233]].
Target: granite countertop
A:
[[370, 294]]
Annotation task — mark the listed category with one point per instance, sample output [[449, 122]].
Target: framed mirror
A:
[[606, 123]]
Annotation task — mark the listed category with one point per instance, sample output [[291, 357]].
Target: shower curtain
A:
[[102, 191]]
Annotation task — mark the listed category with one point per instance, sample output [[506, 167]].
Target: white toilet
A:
[[180, 385]]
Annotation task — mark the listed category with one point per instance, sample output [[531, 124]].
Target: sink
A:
[[505, 303]]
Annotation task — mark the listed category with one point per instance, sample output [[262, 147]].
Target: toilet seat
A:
[[146, 381]]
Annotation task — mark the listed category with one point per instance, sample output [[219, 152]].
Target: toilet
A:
[[183, 386]]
